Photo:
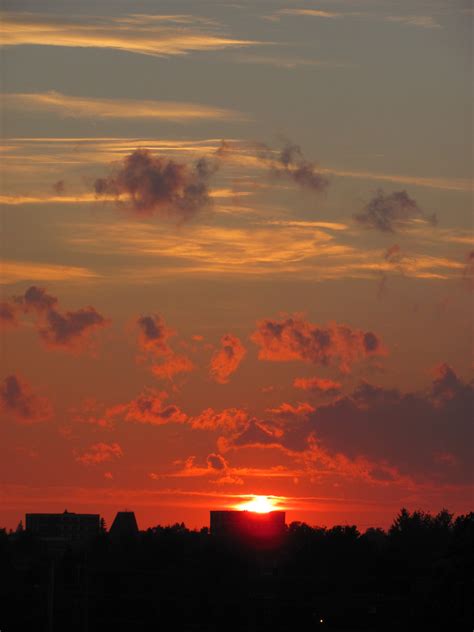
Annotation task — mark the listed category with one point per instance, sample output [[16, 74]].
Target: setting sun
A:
[[259, 504]]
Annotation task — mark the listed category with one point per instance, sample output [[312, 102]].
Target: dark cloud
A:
[[392, 212], [36, 299], [294, 338], [154, 334], [18, 399], [148, 185], [292, 164], [71, 329], [216, 462], [227, 359], [8, 315], [68, 330], [149, 407], [153, 341], [59, 187], [426, 435]]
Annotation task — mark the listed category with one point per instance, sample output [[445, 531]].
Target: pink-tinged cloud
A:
[[171, 366], [100, 453], [153, 341], [228, 420], [318, 385], [147, 185], [288, 412], [294, 338], [68, 331], [149, 407], [18, 399], [227, 359], [216, 467]]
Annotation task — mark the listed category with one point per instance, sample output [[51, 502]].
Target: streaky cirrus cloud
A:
[[420, 21], [20, 400], [149, 407], [18, 271], [318, 385], [67, 331], [100, 453], [294, 338], [226, 360], [391, 212], [89, 107], [153, 342], [147, 185], [159, 36]]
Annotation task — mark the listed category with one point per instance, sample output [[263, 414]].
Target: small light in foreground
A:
[[259, 504]]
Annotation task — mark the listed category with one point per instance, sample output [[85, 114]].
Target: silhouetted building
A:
[[248, 525], [124, 526], [64, 527]]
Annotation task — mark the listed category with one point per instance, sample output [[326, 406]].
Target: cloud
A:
[[291, 164], [408, 430], [154, 334], [100, 453], [8, 315], [318, 385], [87, 107], [140, 34], [227, 359], [392, 212], [421, 21], [228, 420], [287, 412], [20, 271], [70, 330], [158, 186], [149, 408], [294, 338], [153, 340], [468, 271], [19, 400], [216, 462]]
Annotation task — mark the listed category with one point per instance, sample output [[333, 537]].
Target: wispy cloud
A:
[[420, 21], [85, 107], [161, 36], [16, 271]]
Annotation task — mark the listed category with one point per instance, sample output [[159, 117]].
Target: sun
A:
[[259, 504]]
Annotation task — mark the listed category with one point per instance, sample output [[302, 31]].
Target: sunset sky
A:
[[236, 258]]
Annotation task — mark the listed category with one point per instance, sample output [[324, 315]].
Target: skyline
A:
[[237, 258]]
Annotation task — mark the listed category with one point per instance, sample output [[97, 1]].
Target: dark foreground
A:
[[418, 576]]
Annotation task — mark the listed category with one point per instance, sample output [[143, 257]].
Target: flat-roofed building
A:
[[63, 527]]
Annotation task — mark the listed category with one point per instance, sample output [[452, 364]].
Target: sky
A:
[[236, 258]]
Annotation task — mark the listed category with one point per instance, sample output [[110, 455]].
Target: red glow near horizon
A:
[[259, 504]]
